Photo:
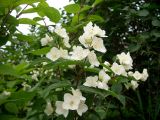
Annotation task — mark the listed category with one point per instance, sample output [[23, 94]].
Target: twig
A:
[[20, 13]]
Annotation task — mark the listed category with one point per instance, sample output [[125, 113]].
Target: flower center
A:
[[71, 103]]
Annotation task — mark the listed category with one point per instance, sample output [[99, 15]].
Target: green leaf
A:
[[3, 40], [41, 51], [100, 92], [6, 3], [85, 8], [63, 64], [52, 13], [101, 111], [103, 93], [72, 8], [3, 98], [21, 97], [156, 23], [37, 19], [143, 13], [11, 107], [30, 10], [134, 48], [95, 18], [122, 99], [12, 20], [24, 37], [27, 21], [20, 68], [155, 33], [96, 2], [60, 84], [7, 70], [117, 88], [8, 117], [93, 70], [11, 84], [20, 2]]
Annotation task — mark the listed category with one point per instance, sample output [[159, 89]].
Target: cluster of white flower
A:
[[138, 76], [35, 74], [91, 37], [126, 64], [71, 102], [98, 81], [62, 33], [92, 41], [59, 31], [79, 53]]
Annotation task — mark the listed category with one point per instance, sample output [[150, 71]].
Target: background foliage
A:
[[131, 25]]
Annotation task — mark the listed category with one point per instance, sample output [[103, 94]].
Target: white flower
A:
[[102, 85], [86, 40], [6, 93], [25, 86], [144, 75], [54, 54], [66, 42], [35, 77], [82, 108], [48, 110], [88, 27], [98, 44], [107, 64], [71, 102], [137, 75], [63, 53], [103, 77], [79, 53], [91, 81], [62, 33], [125, 74], [134, 84], [46, 40], [60, 110], [93, 59], [117, 69], [99, 32], [125, 60], [130, 73], [71, 66], [78, 93]]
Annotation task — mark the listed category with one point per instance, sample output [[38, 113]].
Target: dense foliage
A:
[[35, 80]]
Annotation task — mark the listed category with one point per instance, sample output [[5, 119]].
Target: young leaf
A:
[[72, 8]]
